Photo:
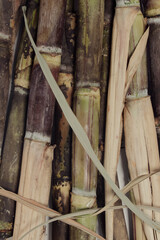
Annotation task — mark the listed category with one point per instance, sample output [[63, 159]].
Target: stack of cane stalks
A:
[[96, 52]]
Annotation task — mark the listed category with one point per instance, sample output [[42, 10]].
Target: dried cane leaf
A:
[[49, 212], [62, 217], [81, 135], [126, 189], [136, 59]]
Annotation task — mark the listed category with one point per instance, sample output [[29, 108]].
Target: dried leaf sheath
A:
[[33, 173], [138, 88], [119, 56], [142, 154], [139, 84], [12, 151], [40, 117], [139, 197]]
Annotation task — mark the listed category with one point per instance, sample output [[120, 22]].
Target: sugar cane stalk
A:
[[152, 12], [5, 34], [37, 158], [84, 174], [140, 136], [62, 157], [107, 32], [9, 25], [142, 154], [87, 108], [12, 151], [138, 89], [123, 20]]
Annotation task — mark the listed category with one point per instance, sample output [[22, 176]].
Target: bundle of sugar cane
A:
[[87, 108], [133, 64], [12, 151], [62, 157], [152, 12], [35, 180], [125, 15]]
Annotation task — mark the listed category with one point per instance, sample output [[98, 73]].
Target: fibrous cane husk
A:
[[38, 178], [115, 104], [153, 69], [142, 154]]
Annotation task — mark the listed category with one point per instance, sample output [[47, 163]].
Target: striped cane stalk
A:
[[140, 138], [152, 12], [86, 106], [62, 158], [35, 180], [12, 151], [84, 175]]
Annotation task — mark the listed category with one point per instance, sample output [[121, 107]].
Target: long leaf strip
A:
[[49, 212], [81, 135], [66, 218], [126, 189], [52, 213]]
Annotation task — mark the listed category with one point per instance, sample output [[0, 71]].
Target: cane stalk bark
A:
[[86, 105], [106, 51], [152, 12], [123, 21], [35, 180], [9, 24], [12, 146], [12, 152], [62, 158], [5, 35]]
